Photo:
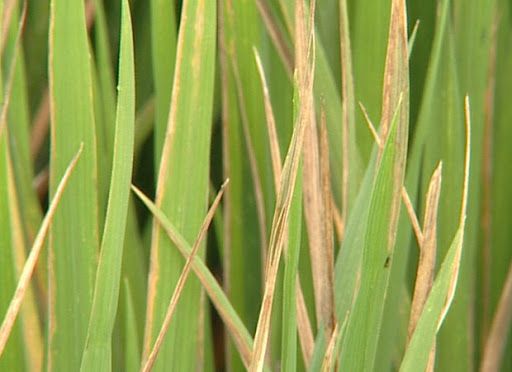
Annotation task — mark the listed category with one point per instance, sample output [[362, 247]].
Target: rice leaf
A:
[[98, 353], [74, 232], [182, 188], [428, 250], [366, 316], [317, 224]]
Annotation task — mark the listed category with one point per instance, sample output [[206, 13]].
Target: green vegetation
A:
[[267, 185]]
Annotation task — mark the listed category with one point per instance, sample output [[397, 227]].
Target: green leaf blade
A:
[[182, 189], [74, 233], [360, 342], [97, 353]]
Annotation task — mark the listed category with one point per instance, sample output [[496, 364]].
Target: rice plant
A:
[[262, 185]]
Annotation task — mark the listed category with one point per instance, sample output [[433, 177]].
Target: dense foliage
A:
[[273, 185]]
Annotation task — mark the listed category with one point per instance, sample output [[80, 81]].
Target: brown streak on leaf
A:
[[396, 97], [487, 179], [412, 216], [462, 218], [307, 341], [371, 127], [90, 12], [329, 351], [497, 339], [198, 38], [326, 251], [9, 7], [315, 217], [428, 248], [348, 105], [275, 153], [396, 70], [325, 174], [40, 124]]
